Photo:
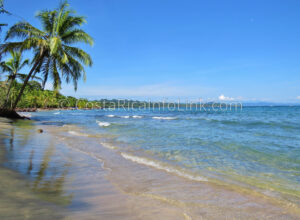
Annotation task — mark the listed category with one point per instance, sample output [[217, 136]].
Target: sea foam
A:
[[103, 124], [75, 133], [108, 146], [164, 118], [137, 116], [160, 166]]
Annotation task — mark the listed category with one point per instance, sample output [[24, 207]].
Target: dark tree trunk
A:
[[26, 81], [9, 113], [8, 92]]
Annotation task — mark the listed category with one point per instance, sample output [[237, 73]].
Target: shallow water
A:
[[256, 146], [190, 161]]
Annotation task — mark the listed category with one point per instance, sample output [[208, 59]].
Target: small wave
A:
[[108, 146], [164, 118], [92, 156], [78, 133], [67, 126], [126, 116], [206, 119], [70, 127], [103, 124], [137, 116], [56, 113], [78, 113], [160, 166], [110, 116]]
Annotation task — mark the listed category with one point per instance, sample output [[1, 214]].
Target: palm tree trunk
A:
[[26, 81], [8, 92]]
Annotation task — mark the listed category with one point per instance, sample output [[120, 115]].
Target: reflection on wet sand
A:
[[30, 166], [11, 140], [39, 186], [48, 178], [51, 184], [57, 182]]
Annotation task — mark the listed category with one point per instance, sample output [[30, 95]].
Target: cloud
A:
[[298, 97], [224, 98], [150, 90]]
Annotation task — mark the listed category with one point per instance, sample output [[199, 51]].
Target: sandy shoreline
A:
[[102, 184], [93, 195]]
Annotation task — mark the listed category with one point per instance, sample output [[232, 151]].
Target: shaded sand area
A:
[[64, 173]]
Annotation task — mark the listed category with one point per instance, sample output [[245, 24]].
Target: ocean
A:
[[255, 147], [247, 157]]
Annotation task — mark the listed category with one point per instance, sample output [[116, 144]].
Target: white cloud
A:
[[152, 90], [224, 98], [298, 97]]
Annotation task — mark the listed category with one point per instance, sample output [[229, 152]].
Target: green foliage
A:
[[35, 97], [12, 67], [55, 55], [60, 29]]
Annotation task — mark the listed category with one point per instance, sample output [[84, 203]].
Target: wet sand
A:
[[63, 175]]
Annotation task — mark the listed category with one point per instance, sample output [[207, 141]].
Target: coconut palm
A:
[[55, 55], [13, 66]]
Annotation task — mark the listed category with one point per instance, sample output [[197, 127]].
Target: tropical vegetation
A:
[[12, 67], [55, 55]]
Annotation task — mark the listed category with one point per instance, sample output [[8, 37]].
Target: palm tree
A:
[[54, 54], [13, 66]]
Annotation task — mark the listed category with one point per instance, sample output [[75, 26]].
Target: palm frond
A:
[[71, 22], [47, 18], [80, 54], [25, 63], [23, 30], [77, 36]]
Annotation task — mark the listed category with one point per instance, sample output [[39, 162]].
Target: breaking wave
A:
[[75, 133], [108, 146], [103, 124], [160, 166], [164, 118], [137, 116]]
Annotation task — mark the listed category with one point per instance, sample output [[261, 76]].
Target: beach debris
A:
[[40, 130]]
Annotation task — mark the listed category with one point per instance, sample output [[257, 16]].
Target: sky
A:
[[229, 50]]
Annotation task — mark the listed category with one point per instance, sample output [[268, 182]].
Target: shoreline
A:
[[132, 181], [93, 195]]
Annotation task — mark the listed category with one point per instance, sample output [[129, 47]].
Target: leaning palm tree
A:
[[13, 66], [54, 55]]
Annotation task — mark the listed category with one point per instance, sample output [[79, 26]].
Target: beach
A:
[[145, 110], [85, 165]]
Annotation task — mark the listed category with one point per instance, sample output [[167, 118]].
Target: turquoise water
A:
[[254, 147]]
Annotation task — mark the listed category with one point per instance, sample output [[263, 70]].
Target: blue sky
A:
[[232, 50]]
